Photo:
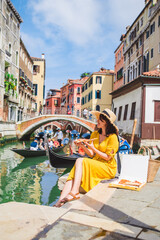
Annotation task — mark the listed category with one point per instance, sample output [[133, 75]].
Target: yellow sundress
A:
[[96, 169]]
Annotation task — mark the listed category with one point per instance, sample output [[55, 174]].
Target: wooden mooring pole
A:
[[133, 132]]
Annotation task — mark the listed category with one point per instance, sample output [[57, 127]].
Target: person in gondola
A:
[[34, 145], [50, 143], [88, 172], [59, 135], [41, 145]]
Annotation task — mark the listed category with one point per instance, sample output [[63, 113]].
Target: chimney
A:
[[42, 55], [146, 1]]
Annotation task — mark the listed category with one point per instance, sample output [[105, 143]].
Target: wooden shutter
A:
[[157, 111]]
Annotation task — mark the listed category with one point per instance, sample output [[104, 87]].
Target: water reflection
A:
[[29, 180]]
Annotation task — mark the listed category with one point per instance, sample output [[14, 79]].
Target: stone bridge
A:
[[27, 127]]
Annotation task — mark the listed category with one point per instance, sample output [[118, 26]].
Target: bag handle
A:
[[144, 148]]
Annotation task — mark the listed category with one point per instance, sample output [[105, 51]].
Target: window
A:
[[159, 21], [98, 79], [131, 51], [152, 28], [85, 100], [89, 97], [78, 90], [7, 20], [140, 41], [120, 74], [137, 45], [98, 94], [147, 34], [78, 113], [157, 111], [159, 48], [137, 27], [82, 100], [124, 78], [139, 67], [78, 99], [47, 103], [125, 112], [36, 69], [119, 113], [86, 86], [128, 73], [35, 86], [133, 111], [97, 108], [141, 22], [10, 48], [83, 89], [152, 53], [56, 102], [16, 58], [90, 81], [115, 111]]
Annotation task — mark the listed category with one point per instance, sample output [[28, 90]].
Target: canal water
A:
[[28, 180]]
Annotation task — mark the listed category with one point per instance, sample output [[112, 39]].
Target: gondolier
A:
[[59, 135]]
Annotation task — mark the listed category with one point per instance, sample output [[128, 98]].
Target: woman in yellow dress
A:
[[88, 172]]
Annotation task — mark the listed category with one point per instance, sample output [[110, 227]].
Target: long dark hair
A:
[[110, 128]]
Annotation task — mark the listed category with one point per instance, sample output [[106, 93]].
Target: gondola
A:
[[27, 153], [62, 160]]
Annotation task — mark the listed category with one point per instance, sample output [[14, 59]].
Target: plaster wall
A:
[[152, 93], [127, 125]]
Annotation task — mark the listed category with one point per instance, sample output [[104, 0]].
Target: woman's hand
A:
[[78, 144], [90, 145]]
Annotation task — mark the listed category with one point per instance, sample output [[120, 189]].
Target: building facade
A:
[[142, 42], [139, 99], [96, 89], [52, 102], [39, 69], [26, 107], [9, 60], [75, 95]]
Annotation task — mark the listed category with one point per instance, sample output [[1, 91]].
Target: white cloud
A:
[[78, 35], [75, 20]]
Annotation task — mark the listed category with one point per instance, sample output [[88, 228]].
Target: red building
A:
[[52, 104], [71, 96], [118, 68]]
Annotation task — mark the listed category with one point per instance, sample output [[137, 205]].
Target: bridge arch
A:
[[26, 128]]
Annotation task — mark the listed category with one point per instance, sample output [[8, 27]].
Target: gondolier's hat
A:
[[108, 114]]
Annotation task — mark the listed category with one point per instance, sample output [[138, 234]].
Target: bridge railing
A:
[[63, 111]]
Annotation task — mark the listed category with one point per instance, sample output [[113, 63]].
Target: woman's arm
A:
[[96, 151], [89, 152]]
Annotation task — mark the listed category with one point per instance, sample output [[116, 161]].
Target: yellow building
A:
[[39, 66], [95, 91]]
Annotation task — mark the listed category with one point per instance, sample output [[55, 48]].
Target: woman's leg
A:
[[77, 178], [72, 185], [66, 190]]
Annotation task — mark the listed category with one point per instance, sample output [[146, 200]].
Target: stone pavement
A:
[[103, 213]]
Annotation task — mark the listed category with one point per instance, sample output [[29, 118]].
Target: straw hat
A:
[[108, 114]]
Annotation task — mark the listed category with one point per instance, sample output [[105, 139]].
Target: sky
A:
[[76, 36]]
